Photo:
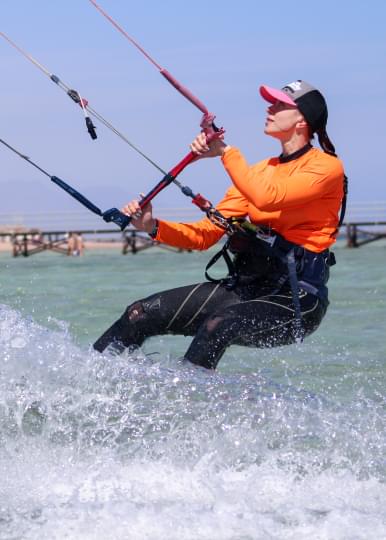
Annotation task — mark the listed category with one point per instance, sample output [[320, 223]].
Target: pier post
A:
[[352, 237]]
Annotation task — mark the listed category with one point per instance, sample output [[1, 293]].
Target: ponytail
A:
[[329, 148], [325, 142]]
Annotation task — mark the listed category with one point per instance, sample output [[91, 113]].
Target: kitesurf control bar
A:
[[112, 215], [119, 218], [197, 199]]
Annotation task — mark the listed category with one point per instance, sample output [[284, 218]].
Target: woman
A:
[[276, 292]]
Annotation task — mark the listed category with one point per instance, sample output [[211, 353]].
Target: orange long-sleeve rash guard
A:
[[300, 199]]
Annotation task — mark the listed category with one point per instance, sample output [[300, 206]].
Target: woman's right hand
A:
[[202, 149], [142, 219]]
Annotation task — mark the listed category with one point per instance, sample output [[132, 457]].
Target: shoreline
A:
[[7, 247]]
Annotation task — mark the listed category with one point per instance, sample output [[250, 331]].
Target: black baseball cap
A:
[[305, 97]]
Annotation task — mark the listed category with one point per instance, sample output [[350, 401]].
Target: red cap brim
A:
[[272, 95]]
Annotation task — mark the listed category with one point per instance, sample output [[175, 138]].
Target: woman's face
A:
[[281, 119]]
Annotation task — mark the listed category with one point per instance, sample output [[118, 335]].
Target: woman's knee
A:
[[141, 310], [134, 313]]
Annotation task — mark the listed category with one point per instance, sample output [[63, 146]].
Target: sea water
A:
[[285, 443]]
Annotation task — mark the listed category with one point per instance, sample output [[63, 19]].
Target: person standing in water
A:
[[275, 293], [75, 244]]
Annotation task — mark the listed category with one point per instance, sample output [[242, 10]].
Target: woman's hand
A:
[[204, 150], [142, 219]]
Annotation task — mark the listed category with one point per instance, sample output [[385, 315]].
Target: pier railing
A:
[[366, 212], [364, 223]]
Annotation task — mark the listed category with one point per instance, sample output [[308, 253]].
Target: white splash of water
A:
[[96, 447]]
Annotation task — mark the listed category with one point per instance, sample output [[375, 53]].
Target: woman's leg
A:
[[267, 321]]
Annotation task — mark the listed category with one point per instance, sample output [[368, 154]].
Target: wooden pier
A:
[[358, 236], [30, 242]]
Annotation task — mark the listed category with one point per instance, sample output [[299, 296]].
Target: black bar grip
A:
[[116, 216]]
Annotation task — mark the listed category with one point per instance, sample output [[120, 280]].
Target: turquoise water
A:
[[286, 443]]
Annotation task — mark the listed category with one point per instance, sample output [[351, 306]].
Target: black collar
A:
[[295, 155]]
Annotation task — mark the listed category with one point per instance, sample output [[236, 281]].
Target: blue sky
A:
[[222, 51]]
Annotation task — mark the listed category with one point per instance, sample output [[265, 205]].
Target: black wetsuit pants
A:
[[252, 315]]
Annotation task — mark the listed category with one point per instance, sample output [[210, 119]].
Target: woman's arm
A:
[[268, 189], [199, 235], [202, 234]]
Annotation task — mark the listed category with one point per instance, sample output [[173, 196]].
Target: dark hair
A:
[[313, 107], [325, 142]]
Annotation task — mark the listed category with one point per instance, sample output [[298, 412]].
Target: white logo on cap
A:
[[295, 86]]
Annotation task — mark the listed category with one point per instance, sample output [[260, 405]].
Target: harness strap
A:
[[342, 206], [344, 201], [233, 276], [294, 284]]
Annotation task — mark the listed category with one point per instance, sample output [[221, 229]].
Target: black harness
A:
[[274, 257]]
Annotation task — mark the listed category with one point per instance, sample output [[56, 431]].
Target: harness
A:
[[283, 260]]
